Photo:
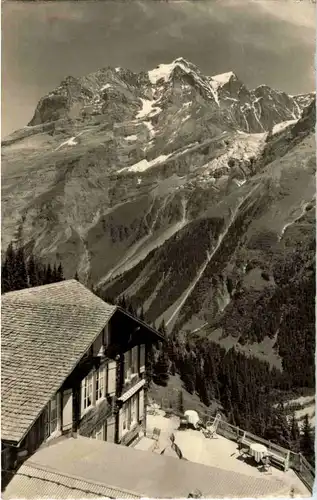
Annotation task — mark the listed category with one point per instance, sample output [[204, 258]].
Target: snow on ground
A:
[[296, 215], [69, 142], [239, 182], [165, 70], [143, 165], [150, 128], [131, 138], [107, 86], [162, 71], [282, 125], [148, 108], [185, 118], [245, 147], [302, 400]]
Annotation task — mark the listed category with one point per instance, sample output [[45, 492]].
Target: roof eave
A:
[[158, 334]]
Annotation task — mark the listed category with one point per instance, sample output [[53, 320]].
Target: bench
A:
[[281, 461], [277, 456]]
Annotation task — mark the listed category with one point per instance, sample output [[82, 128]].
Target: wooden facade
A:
[[100, 382]]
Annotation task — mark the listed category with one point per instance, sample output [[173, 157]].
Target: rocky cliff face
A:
[[165, 185]]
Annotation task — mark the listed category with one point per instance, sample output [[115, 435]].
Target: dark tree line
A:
[[19, 270], [247, 388]]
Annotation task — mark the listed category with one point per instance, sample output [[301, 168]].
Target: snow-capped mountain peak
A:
[[164, 71], [224, 78]]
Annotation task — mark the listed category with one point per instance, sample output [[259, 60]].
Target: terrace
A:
[[223, 451]]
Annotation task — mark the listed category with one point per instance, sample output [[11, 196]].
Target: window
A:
[[142, 358], [53, 415], [127, 365], [130, 413], [135, 360], [125, 418], [87, 391], [100, 383], [134, 409], [50, 417], [131, 363]]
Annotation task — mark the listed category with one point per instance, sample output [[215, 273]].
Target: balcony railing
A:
[[294, 460]]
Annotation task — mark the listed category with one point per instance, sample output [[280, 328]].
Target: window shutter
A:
[[141, 405], [136, 359], [106, 336], [125, 365], [67, 410], [110, 431], [112, 378], [142, 358], [120, 423], [82, 396]]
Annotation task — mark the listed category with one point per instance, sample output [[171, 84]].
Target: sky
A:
[[262, 41]]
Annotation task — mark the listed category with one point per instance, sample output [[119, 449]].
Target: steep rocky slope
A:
[[176, 188]]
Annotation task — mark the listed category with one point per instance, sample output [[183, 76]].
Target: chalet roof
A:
[[75, 463], [45, 331]]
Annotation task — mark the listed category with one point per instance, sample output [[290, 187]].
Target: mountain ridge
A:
[[125, 177]]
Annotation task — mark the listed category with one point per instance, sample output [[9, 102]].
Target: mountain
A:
[[183, 191]]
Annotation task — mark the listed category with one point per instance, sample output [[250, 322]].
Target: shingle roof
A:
[[30, 482], [45, 331], [144, 473]]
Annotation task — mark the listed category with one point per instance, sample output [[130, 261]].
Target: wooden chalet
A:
[[71, 364]]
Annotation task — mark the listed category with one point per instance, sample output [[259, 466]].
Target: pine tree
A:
[[181, 402], [54, 273], [141, 315], [162, 328], [122, 302], [21, 278], [41, 274], [295, 433], [48, 274], [307, 441], [8, 270], [173, 368], [60, 274], [188, 375], [131, 310], [31, 271], [160, 375], [149, 364]]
